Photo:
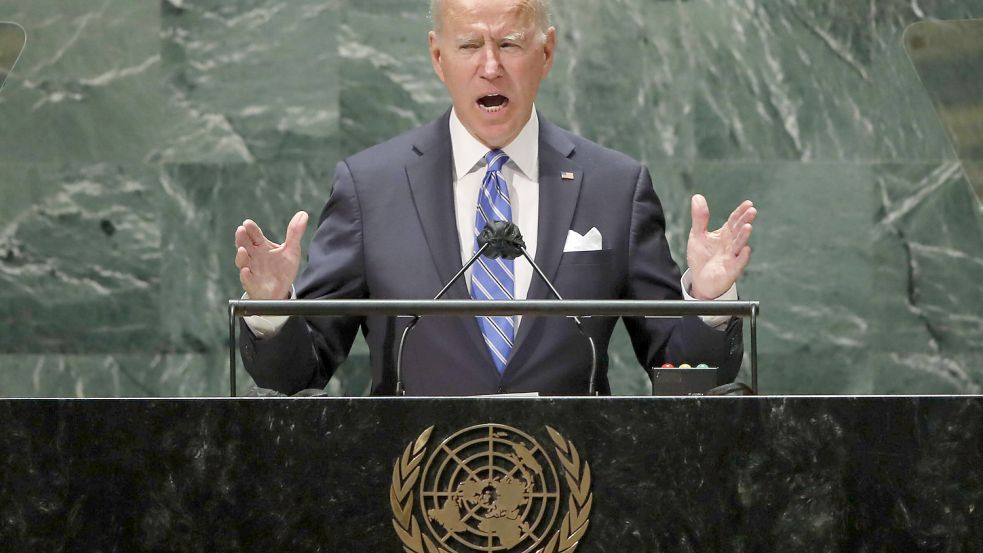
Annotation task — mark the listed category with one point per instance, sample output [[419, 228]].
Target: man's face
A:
[[491, 56]]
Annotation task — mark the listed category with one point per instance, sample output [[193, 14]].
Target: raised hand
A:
[[716, 259], [267, 269]]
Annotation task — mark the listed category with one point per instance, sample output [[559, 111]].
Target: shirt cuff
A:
[[714, 321], [267, 326]]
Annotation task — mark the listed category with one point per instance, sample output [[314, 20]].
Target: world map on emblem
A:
[[490, 488]]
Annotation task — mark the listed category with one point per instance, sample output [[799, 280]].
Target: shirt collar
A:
[[523, 151]]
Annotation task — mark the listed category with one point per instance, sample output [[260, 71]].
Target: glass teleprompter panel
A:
[[12, 38], [948, 57]]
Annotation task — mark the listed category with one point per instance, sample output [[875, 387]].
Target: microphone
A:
[[503, 239], [499, 239]]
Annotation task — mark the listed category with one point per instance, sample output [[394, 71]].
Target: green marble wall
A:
[[136, 135]]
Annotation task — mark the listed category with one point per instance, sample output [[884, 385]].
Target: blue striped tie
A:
[[494, 279]]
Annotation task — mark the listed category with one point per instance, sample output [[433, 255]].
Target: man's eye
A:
[[509, 45], [469, 46]]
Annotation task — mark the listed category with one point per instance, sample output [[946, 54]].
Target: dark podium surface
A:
[[665, 474]]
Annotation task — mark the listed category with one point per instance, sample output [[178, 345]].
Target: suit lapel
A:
[[557, 204], [431, 182]]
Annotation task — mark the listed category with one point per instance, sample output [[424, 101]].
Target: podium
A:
[[329, 474]]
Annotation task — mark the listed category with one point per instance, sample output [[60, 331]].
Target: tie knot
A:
[[495, 160]]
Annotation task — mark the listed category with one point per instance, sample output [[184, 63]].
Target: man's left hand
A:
[[717, 258]]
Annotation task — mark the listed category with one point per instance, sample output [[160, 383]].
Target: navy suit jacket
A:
[[389, 231]]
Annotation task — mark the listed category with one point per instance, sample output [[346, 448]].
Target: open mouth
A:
[[493, 102]]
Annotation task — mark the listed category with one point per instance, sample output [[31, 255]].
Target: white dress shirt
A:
[[522, 175]]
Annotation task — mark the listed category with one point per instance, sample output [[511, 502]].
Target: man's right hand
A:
[[267, 269]]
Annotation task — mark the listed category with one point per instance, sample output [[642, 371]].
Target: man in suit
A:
[[403, 215]]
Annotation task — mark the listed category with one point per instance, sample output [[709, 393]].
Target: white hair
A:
[[541, 11]]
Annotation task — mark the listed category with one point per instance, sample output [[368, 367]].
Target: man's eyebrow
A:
[[517, 36]]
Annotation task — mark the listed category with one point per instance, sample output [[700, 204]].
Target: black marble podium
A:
[[314, 474]]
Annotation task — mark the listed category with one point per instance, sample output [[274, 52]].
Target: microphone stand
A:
[[501, 239], [416, 318], [592, 383]]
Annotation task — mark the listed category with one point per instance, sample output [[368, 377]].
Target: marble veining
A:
[[136, 135]]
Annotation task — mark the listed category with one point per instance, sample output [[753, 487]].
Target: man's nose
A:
[[491, 66]]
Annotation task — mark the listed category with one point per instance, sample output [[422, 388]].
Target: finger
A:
[[242, 258], [748, 217], [741, 261], [295, 229], [254, 233], [246, 279], [242, 238], [737, 216], [249, 283], [700, 213], [741, 238], [751, 214]]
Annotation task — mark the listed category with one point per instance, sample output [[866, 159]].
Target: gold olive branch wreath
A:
[[406, 472]]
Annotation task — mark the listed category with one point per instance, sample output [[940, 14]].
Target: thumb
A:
[[295, 229], [700, 212]]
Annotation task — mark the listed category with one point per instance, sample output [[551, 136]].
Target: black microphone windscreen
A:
[[503, 239]]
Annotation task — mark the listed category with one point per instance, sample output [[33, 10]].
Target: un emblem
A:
[[490, 488]]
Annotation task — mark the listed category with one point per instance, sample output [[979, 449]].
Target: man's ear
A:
[[435, 54], [549, 47]]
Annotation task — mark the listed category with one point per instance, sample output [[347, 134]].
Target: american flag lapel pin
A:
[[566, 175]]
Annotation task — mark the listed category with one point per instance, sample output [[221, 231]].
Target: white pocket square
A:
[[589, 242]]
